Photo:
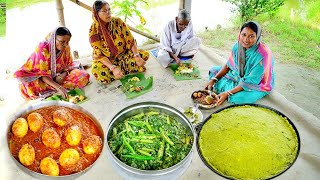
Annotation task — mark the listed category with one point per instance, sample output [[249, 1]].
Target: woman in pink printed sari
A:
[[49, 68]]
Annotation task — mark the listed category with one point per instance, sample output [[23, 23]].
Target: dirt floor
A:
[[104, 101], [298, 84]]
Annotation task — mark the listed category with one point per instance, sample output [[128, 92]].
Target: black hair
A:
[[99, 4], [62, 31], [251, 25]]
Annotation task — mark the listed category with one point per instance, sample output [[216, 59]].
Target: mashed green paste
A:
[[248, 142]]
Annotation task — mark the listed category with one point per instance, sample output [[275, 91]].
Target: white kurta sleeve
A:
[[165, 39]]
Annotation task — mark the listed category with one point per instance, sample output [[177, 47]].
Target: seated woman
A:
[[49, 69], [115, 51], [248, 75], [178, 40]]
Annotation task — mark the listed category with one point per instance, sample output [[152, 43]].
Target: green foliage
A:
[[293, 41], [23, 3], [2, 20], [158, 3], [313, 13], [249, 9], [290, 41], [128, 10]]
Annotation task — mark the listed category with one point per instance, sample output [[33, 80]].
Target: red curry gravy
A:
[[83, 121]]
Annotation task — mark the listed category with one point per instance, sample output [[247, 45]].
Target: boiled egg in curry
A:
[[35, 121], [49, 166], [20, 127], [73, 135], [92, 144], [27, 154], [69, 157], [50, 138], [61, 117]]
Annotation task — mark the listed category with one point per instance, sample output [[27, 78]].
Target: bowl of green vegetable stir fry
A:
[[150, 140]]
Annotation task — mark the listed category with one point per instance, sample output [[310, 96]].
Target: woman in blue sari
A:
[[248, 75]]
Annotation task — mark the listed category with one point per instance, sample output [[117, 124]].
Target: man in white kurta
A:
[[178, 40]]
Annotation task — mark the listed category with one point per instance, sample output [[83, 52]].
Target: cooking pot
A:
[[40, 105], [199, 126], [128, 172]]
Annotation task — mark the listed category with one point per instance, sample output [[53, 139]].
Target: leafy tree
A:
[[249, 9], [2, 18], [128, 9]]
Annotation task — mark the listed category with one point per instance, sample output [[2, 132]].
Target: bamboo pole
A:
[[59, 7], [81, 4]]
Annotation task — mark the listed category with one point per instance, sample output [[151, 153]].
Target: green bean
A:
[[120, 149], [127, 144], [138, 116], [114, 132], [141, 140], [152, 113], [148, 125], [147, 149], [138, 157], [188, 139], [168, 119], [143, 152], [146, 136], [137, 123], [128, 127], [166, 138], [161, 149]]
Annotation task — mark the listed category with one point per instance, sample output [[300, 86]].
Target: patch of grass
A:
[[290, 41], [221, 38], [294, 41], [291, 38], [23, 3]]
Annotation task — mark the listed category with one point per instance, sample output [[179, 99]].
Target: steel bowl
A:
[[128, 172], [200, 125], [43, 104]]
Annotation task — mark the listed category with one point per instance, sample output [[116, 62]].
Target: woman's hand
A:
[[139, 61], [62, 91], [222, 97], [210, 84], [117, 73], [60, 78]]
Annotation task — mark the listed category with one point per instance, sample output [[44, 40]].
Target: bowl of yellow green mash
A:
[[249, 141]]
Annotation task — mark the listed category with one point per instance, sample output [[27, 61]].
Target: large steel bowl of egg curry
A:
[[54, 139], [248, 141]]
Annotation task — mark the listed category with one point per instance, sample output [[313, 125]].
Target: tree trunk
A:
[[59, 7]]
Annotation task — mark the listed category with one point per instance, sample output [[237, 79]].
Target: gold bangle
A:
[[58, 88]]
